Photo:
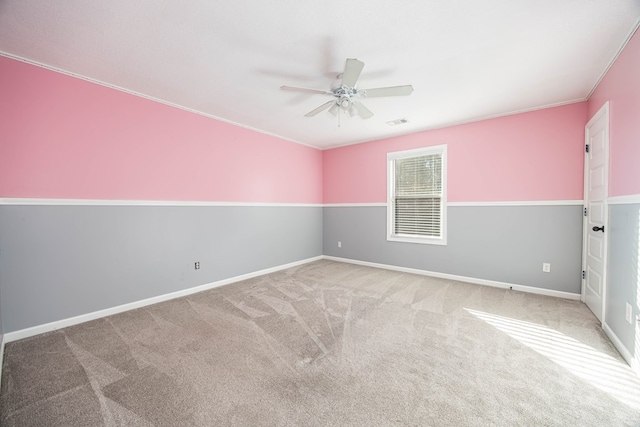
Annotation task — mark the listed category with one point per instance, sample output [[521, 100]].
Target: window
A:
[[416, 204]]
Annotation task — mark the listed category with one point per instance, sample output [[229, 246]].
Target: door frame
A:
[[604, 110]]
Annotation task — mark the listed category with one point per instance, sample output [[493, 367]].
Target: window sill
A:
[[420, 240]]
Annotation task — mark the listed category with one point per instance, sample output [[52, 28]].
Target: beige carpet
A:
[[327, 344]]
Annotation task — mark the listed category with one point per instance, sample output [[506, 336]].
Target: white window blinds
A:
[[417, 193]]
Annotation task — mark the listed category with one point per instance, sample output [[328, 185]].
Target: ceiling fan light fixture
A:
[[334, 109]]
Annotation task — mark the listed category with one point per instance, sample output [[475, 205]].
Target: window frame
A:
[[391, 187]]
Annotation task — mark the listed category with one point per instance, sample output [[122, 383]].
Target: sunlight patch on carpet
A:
[[598, 369]]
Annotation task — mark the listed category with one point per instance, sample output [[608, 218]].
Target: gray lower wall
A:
[[501, 243], [622, 273], [1, 329], [57, 262]]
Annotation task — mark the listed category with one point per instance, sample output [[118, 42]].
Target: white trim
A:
[[105, 202], [602, 112], [58, 324], [476, 204], [522, 203], [321, 148], [484, 282], [151, 98], [624, 200], [421, 240], [2, 341], [626, 354], [615, 57], [354, 205], [26, 201], [440, 150], [461, 122], [417, 152]]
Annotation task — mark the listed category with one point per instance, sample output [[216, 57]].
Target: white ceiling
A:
[[466, 59]]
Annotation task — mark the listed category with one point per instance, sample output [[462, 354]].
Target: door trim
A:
[[603, 111]]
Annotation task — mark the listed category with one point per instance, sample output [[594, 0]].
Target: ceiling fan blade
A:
[[304, 89], [352, 70], [320, 108], [387, 91], [363, 111]]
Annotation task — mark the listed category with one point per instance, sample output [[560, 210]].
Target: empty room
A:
[[319, 213]]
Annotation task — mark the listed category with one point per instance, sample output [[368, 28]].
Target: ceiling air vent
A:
[[397, 122]]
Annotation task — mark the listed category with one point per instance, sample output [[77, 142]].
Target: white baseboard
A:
[[626, 354], [113, 202], [485, 282], [63, 323], [58, 324], [2, 341]]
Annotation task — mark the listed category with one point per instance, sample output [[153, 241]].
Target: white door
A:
[[595, 224]]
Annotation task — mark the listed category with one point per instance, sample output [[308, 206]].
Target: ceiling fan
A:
[[347, 96]]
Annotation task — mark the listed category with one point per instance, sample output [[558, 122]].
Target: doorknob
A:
[[601, 228]]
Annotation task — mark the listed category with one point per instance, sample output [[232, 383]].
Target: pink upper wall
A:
[[621, 87], [523, 157], [62, 137]]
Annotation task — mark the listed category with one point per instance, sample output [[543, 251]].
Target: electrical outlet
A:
[[546, 267], [629, 313], [339, 244], [197, 265]]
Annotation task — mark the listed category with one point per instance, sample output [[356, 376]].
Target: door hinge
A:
[[585, 211], [584, 274], [587, 148]]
